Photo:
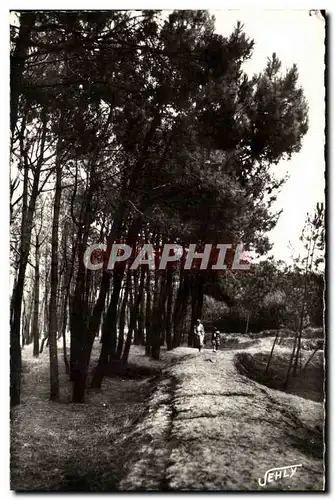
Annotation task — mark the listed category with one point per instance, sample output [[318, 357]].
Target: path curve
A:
[[210, 428]]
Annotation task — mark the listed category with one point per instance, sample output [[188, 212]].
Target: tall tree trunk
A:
[[68, 271], [54, 382], [104, 287], [247, 323], [194, 316], [120, 215], [139, 326], [157, 316], [27, 320], [148, 315], [23, 339], [36, 331], [109, 329], [169, 286], [115, 234], [271, 353], [180, 306], [79, 306], [16, 302], [291, 361], [196, 304], [302, 313], [64, 324], [134, 309], [78, 326], [46, 295], [122, 318], [141, 319], [109, 333]]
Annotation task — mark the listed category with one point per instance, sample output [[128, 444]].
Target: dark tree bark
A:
[[196, 303], [134, 310], [109, 329], [120, 216], [169, 285], [16, 302], [27, 322], [78, 324], [90, 333], [122, 318], [139, 326], [68, 271], [180, 306], [148, 315], [64, 324], [79, 306], [46, 294], [271, 353], [303, 306], [104, 289], [157, 324], [36, 331], [23, 322], [54, 382]]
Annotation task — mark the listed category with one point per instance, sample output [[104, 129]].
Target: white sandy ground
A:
[[211, 428]]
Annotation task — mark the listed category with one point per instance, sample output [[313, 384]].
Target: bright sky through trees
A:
[[296, 37]]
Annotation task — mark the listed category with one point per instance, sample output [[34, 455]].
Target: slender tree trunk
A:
[[148, 315], [79, 319], [122, 318], [134, 310], [157, 316], [28, 320], [54, 382], [109, 330], [141, 320], [291, 361], [180, 307], [109, 323], [104, 288], [169, 286], [78, 326], [115, 233], [247, 323], [309, 359], [271, 353], [64, 324], [109, 334], [36, 332], [23, 339], [16, 302], [46, 296], [194, 317], [139, 328], [68, 270], [196, 304], [302, 314]]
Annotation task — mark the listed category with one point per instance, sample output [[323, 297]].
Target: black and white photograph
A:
[[167, 300]]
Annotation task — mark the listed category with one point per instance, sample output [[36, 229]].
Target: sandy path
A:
[[211, 428]]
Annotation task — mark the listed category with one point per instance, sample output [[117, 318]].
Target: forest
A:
[[142, 129]]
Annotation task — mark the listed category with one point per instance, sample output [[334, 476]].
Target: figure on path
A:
[[216, 340], [199, 333]]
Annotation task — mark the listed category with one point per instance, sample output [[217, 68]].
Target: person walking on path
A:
[[215, 340], [199, 333]]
